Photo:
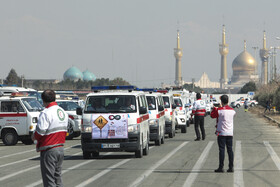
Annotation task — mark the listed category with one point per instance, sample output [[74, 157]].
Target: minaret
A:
[[264, 57], [223, 51], [178, 55]]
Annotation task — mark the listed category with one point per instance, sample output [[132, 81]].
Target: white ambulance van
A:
[[181, 114], [115, 118], [169, 108], [18, 118], [156, 116]]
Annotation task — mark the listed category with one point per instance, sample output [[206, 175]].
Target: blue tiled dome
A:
[[88, 76], [73, 73]]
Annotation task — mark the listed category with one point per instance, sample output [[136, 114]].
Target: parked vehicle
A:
[[18, 118], [115, 120]]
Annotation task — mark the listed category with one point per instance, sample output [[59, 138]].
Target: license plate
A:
[[115, 145]]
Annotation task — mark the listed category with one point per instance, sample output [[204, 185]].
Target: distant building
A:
[[244, 69], [75, 74], [204, 82]]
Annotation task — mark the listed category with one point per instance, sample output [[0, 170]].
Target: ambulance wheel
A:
[[171, 135], [95, 154], [158, 142], [9, 137], [27, 141], [86, 155], [70, 131], [162, 139], [146, 150], [184, 129], [139, 152]]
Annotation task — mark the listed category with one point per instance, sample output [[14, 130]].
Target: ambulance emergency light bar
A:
[[96, 88], [147, 90]]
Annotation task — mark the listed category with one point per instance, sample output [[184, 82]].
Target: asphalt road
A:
[[179, 162]]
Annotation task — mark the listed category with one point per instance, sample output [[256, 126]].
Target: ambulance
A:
[[181, 115], [169, 108], [156, 116], [18, 118], [114, 119]]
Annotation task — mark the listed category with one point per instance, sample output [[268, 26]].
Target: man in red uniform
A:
[[50, 134], [224, 131], [199, 110]]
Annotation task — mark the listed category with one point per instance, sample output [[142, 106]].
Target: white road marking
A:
[[273, 154], [192, 176], [90, 180], [66, 170], [151, 169], [16, 162], [25, 170], [238, 162]]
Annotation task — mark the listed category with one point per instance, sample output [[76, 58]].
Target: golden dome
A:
[[244, 62]]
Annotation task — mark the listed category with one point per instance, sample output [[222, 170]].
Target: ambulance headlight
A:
[[86, 128], [133, 128], [35, 120], [153, 122]]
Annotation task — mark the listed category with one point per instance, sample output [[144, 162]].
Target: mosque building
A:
[[244, 69], [75, 74]]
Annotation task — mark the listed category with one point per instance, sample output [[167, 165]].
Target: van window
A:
[[166, 102], [151, 102], [11, 106], [111, 103]]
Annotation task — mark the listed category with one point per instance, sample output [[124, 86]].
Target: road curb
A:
[[273, 120]]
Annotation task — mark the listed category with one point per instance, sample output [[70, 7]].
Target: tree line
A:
[[14, 79]]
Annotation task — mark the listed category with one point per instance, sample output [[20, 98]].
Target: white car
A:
[[74, 124]]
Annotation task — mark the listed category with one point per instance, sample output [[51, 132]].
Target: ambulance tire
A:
[[162, 139], [139, 152], [146, 150], [9, 137], [171, 135], [70, 131], [95, 154], [86, 155], [158, 142], [27, 141], [184, 129]]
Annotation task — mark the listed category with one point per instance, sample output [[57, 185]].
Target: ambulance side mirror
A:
[[79, 111], [160, 108], [142, 110]]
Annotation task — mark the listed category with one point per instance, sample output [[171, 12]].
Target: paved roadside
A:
[[273, 117]]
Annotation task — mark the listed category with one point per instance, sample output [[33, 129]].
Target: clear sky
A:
[[132, 39]]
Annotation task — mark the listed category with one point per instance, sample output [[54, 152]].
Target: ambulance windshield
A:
[[111, 104], [32, 105]]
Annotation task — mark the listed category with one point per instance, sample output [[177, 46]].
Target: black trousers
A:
[[222, 142], [199, 121]]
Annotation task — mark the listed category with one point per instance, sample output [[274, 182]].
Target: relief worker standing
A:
[[50, 134], [199, 111], [224, 131]]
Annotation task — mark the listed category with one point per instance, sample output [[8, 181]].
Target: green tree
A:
[[12, 78], [192, 88], [248, 87]]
